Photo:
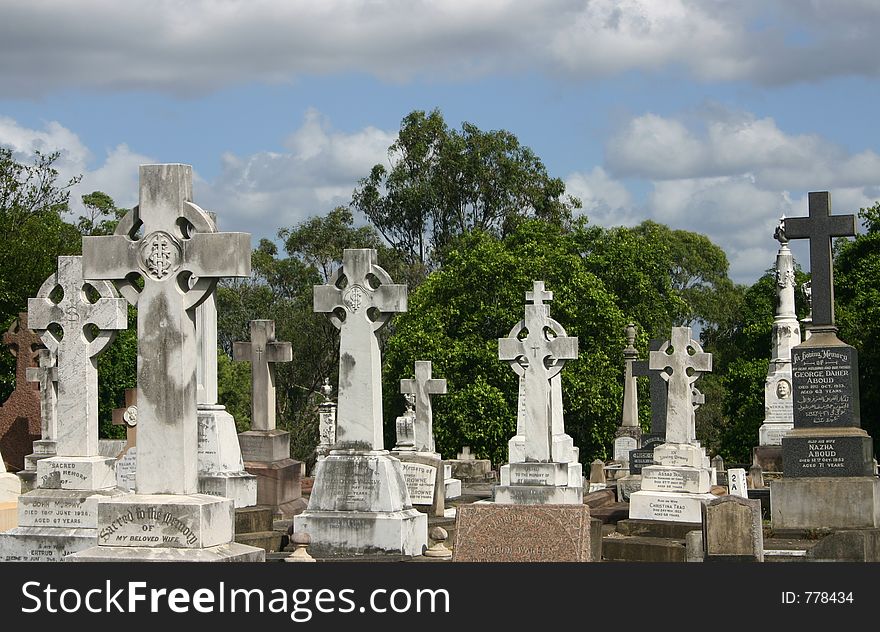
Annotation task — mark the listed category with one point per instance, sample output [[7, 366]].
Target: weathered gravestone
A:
[[265, 448], [45, 375], [20, 413], [547, 470], [423, 467], [513, 533], [166, 240], [59, 516], [359, 503], [829, 479], [732, 530], [778, 402], [678, 484], [467, 468]]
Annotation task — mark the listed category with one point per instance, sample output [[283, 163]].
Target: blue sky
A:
[[710, 116]]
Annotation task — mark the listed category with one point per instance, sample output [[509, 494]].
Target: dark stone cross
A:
[[657, 388], [24, 345], [819, 228], [179, 241], [359, 299]]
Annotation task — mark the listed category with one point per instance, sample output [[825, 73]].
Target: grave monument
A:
[[359, 503], [20, 416], [46, 377]]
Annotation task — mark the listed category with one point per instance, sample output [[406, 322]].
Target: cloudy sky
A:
[[710, 116]]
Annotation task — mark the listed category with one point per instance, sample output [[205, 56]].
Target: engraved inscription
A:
[[823, 385], [420, 480]]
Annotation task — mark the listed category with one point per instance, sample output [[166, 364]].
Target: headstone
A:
[[166, 240], [326, 421], [548, 472], [597, 475], [221, 467], [265, 448], [629, 433], [59, 516], [126, 462], [467, 468], [511, 533], [736, 482], [732, 530], [359, 502], [778, 401], [423, 468], [827, 457], [45, 375], [676, 486], [20, 418]]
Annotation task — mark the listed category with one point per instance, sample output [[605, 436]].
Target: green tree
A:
[[443, 183], [102, 214]]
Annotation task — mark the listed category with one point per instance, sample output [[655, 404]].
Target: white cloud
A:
[[204, 45], [606, 202]]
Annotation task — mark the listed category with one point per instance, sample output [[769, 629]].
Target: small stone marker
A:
[[736, 482], [517, 533]]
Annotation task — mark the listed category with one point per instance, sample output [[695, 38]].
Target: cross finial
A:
[[538, 295], [819, 228]]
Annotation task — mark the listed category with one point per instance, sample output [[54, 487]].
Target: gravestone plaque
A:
[[644, 456], [516, 533], [827, 386], [421, 481]]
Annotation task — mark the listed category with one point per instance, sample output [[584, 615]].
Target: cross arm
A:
[[510, 348], [279, 352], [390, 297], [836, 226], [241, 351]]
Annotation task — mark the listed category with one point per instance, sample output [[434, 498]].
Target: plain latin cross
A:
[[422, 387], [263, 351]]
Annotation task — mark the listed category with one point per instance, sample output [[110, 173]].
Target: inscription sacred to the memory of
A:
[[148, 526], [823, 385]]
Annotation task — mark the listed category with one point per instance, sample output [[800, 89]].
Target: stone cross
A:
[[465, 454], [46, 375], [88, 327], [128, 417], [538, 357], [680, 368], [206, 340], [263, 351], [24, 345], [359, 299], [657, 388], [178, 242], [819, 228], [422, 387]]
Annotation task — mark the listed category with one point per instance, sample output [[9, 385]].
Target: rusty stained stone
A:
[[20, 413]]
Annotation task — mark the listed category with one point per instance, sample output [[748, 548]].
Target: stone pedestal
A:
[[43, 449], [828, 503], [221, 469], [676, 487], [359, 505], [266, 455], [540, 483], [166, 527]]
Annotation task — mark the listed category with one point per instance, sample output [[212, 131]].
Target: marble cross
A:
[[538, 357], [359, 299], [24, 345], [819, 228], [680, 368], [87, 328], [422, 387], [46, 375], [263, 351], [166, 240]]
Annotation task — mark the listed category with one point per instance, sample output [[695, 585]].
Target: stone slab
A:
[[39, 544], [196, 521], [264, 445], [421, 482], [627, 486], [551, 474], [73, 472], [279, 483], [732, 527], [828, 456], [452, 487], [233, 552], [643, 549], [62, 508], [511, 533], [669, 506], [680, 454], [126, 470], [825, 503], [656, 528], [359, 533], [770, 434], [219, 451], [359, 481], [239, 487], [538, 495], [471, 470], [675, 479], [825, 380]]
